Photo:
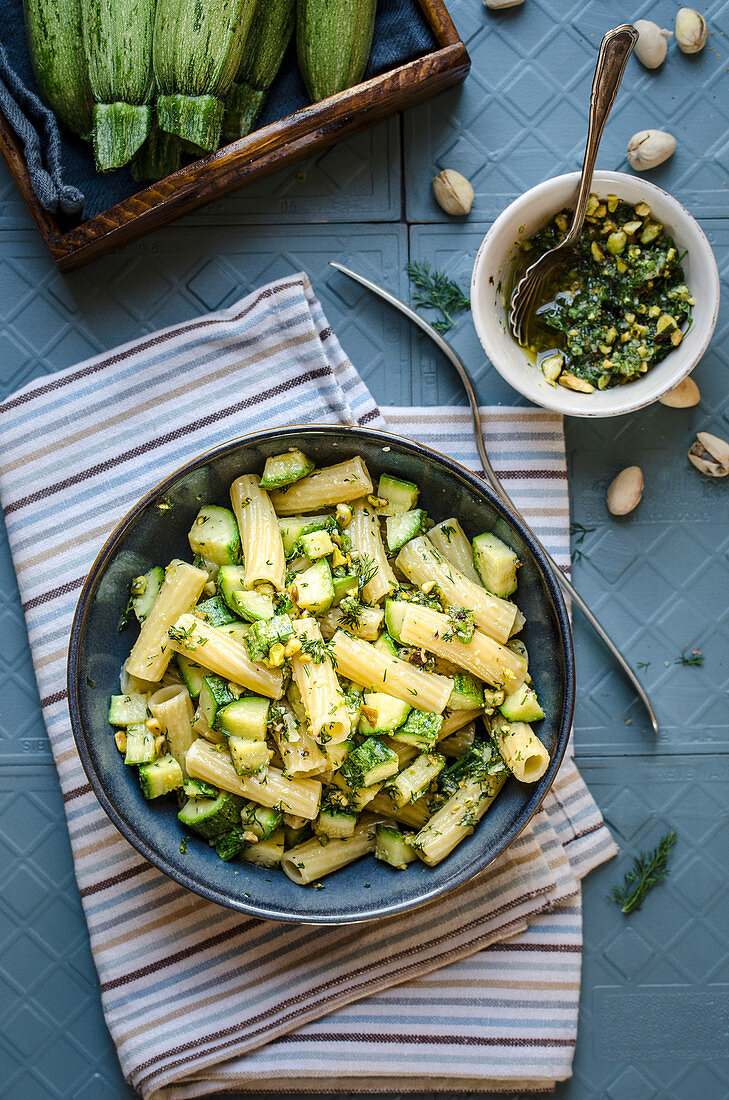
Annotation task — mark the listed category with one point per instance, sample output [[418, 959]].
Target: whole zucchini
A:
[[53, 30], [117, 37], [333, 43], [197, 51], [267, 42]]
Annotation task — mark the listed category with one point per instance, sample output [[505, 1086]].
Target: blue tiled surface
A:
[[655, 996]]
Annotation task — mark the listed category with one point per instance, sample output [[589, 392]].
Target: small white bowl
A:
[[491, 277]]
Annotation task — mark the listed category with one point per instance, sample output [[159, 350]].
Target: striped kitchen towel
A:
[[198, 998]]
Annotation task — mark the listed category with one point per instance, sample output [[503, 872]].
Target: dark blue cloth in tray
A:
[[401, 35]]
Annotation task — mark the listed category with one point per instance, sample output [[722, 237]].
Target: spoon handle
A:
[[615, 49]]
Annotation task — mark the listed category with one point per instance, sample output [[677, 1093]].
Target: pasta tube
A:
[[455, 721], [179, 593], [482, 656], [324, 488], [321, 694], [260, 535], [299, 752], [295, 796], [521, 750], [415, 815], [377, 671], [173, 709], [212, 648], [423, 564], [453, 543], [364, 531], [457, 819], [311, 861]]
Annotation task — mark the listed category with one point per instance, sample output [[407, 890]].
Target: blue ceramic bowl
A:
[[366, 889]]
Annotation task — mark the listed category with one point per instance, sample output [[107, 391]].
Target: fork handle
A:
[[615, 49]]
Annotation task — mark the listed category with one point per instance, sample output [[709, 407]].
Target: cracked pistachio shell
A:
[[652, 44], [497, 5], [649, 148], [453, 192], [625, 491], [683, 396], [691, 30], [710, 455]]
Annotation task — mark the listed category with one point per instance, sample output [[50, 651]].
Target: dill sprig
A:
[[350, 613], [695, 657], [578, 532], [434, 290], [318, 650], [649, 868], [461, 625], [367, 568]]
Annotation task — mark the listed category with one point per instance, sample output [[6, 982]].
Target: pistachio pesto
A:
[[619, 304]]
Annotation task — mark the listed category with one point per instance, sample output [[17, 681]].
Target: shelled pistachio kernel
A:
[[572, 382], [616, 242], [691, 30], [625, 491], [683, 396], [552, 366]]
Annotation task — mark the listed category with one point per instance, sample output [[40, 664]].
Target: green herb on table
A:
[[643, 664], [649, 869], [578, 532], [434, 290], [694, 658], [183, 846]]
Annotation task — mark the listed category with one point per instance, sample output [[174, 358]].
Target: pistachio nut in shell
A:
[[691, 30], [652, 44], [710, 455], [683, 396], [496, 5], [453, 192], [649, 148], [625, 491]]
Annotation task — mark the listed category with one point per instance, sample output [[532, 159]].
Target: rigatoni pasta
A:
[[333, 676]]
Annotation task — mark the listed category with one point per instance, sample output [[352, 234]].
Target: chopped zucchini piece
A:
[[239, 631], [247, 718], [211, 817], [467, 693], [285, 469], [144, 591], [316, 544], [266, 632], [192, 674], [522, 705], [244, 602], [496, 564], [261, 820], [346, 584], [386, 645], [197, 788], [214, 694], [368, 764], [314, 589], [293, 527], [395, 611], [140, 745], [335, 823], [421, 729], [160, 777], [128, 710], [214, 611], [342, 794], [214, 535], [249, 757], [392, 846], [401, 496], [381, 713], [400, 529]]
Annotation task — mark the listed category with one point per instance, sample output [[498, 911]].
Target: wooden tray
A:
[[281, 143]]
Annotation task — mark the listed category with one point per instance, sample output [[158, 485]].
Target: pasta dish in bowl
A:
[[351, 684]]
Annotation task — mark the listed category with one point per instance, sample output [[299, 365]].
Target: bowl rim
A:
[[125, 824], [560, 402]]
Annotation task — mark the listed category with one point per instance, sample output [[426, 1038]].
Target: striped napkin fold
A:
[[480, 992]]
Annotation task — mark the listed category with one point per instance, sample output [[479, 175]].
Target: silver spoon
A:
[[615, 49], [465, 378]]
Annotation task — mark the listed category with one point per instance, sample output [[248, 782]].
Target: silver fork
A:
[[615, 49], [493, 477]]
